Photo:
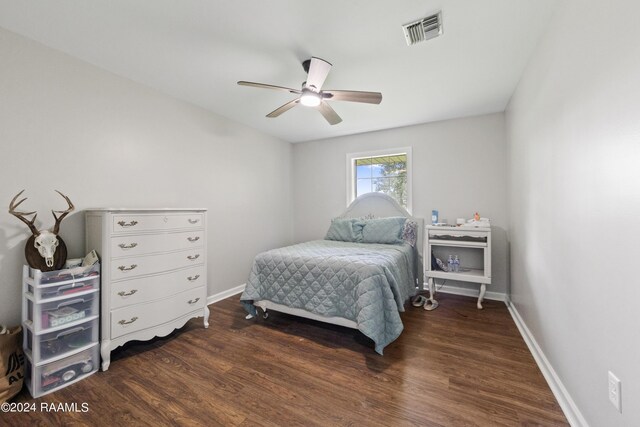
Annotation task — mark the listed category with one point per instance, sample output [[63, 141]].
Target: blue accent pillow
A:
[[383, 230], [345, 230]]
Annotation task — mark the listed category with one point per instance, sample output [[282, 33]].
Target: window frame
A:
[[351, 171]]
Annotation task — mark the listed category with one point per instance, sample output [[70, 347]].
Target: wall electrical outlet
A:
[[614, 391]]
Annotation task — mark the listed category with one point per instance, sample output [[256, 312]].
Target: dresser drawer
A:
[[122, 246], [156, 222], [142, 316], [126, 268], [136, 291]]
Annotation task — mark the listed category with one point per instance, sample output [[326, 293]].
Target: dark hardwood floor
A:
[[455, 366]]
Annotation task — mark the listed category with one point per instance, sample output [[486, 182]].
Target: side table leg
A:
[[483, 289], [431, 303]]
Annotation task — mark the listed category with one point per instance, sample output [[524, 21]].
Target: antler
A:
[[64, 213], [21, 215]]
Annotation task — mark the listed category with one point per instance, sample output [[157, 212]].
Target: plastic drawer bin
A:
[[58, 343], [61, 283], [48, 377], [62, 313]]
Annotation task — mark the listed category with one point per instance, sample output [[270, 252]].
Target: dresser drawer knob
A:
[[193, 301], [125, 322], [123, 268], [193, 239], [127, 224], [129, 246], [193, 221], [192, 257], [193, 278], [126, 294]]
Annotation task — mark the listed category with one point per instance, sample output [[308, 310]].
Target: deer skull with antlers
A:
[[45, 250]]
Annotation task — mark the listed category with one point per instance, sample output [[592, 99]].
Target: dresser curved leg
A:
[[206, 316], [483, 289], [105, 353]]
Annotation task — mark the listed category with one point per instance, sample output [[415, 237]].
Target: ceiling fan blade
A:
[[266, 86], [352, 96], [329, 113], [318, 71], [284, 108]]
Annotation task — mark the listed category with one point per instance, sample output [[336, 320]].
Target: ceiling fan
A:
[[311, 94]]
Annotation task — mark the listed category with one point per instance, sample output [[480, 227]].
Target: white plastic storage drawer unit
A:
[[60, 315]]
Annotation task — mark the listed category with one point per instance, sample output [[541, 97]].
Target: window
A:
[[385, 171]]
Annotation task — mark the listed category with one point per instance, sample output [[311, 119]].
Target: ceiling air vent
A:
[[424, 29]]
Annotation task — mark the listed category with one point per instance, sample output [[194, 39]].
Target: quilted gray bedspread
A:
[[363, 282]]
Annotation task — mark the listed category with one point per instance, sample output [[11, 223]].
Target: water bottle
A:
[[456, 264], [450, 263]]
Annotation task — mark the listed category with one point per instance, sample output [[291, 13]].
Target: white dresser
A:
[[154, 274]]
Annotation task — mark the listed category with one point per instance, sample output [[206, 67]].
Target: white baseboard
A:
[[496, 296], [225, 294], [569, 407]]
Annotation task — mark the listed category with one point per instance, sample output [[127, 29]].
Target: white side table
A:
[[473, 242]]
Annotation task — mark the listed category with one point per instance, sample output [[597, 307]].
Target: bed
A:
[[349, 283]]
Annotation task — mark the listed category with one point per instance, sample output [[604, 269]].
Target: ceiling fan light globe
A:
[[310, 100]]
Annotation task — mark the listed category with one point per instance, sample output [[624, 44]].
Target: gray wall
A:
[[459, 167], [106, 141], [574, 154]]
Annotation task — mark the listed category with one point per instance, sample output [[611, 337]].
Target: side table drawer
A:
[[142, 316]]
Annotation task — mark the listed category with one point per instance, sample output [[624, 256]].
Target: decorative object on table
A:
[[478, 222], [434, 217], [11, 362], [45, 250]]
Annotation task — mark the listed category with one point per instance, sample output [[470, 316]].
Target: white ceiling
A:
[[196, 50]]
